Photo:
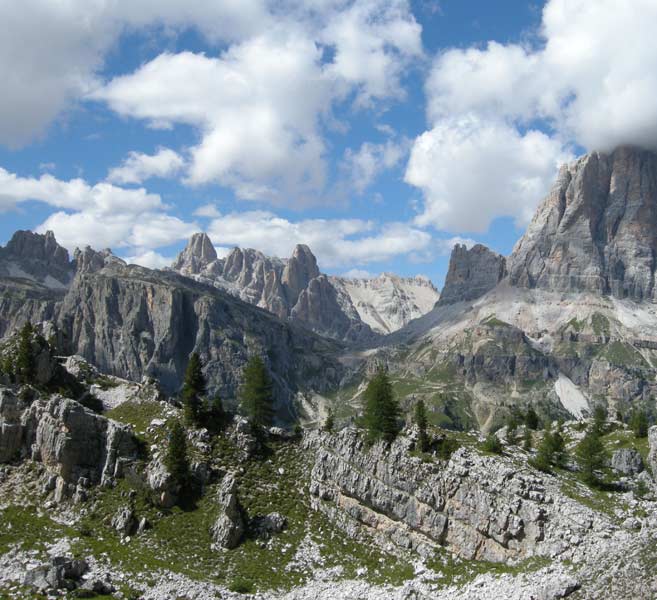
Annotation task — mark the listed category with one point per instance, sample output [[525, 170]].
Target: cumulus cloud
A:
[[50, 52], [335, 242], [209, 211], [138, 167], [588, 80], [364, 165], [261, 106], [472, 170], [358, 274], [103, 215]]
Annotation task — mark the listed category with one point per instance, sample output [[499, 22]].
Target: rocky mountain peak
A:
[[198, 253], [36, 246], [472, 272], [299, 270], [597, 229]]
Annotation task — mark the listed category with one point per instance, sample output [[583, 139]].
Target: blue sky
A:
[[380, 133]]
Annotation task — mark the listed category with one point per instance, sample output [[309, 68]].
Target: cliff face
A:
[[292, 289], [387, 303], [478, 507], [471, 273], [130, 322], [597, 229]]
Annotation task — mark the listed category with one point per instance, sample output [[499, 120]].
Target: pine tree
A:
[[531, 418], [256, 393], [639, 423], [527, 440], [381, 414], [421, 422], [599, 418], [25, 360], [215, 414], [591, 455], [329, 423], [193, 391], [176, 460], [560, 455], [545, 452]]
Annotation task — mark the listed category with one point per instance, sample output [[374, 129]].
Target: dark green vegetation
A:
[[256, 393], [176, 460], [420, 419], [492, 444], [591, 455], [193, 391], [551, 451], [381, 411]]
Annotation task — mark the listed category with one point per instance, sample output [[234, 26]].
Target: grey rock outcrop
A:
[[269, 525], [61, 573], [37, 258], [162, 483], [627, 461], [228, 529], [478, 507], [652, 455], [597, 229], [471, 273], [73, 442], [198, 253], [124, 521], [286, 288]]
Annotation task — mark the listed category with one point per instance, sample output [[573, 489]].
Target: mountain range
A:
[[564, 325], [565, 321]]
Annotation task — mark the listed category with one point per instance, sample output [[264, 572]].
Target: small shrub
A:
[[445, 447], [241, 586], [492, 444]]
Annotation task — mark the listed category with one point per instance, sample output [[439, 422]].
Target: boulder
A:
[[269, 525], [124, 521], [627, 461]]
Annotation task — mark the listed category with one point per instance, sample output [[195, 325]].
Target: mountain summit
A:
[[597, 229]]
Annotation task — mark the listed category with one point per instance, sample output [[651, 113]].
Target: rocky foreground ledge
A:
[[87, 506]]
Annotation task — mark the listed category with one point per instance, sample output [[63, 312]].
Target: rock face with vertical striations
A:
[[597, 229], [130, 321], [472, 273]]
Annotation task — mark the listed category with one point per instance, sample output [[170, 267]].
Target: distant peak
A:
[[37, 246], [201, 246]]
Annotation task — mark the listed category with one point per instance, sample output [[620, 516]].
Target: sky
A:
[[378, 132]]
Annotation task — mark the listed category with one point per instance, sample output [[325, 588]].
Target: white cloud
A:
[[472, 170], [149, 259], [257, 105], [335, 242], [50, 52], [261, 105], [358, 274], [207, 210], [445, 246], [590, 82], [101, 215], [370, 160], [138, 167]]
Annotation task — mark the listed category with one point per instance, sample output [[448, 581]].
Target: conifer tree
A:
[[329, 423], [176, 460], [531, 418], [25, 361], [421, 422], [591, 455], [527, 440], [545, 451], [599, 418], [256, 393], [193, 391], [639, 423], [381, 414], [215, 414]]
